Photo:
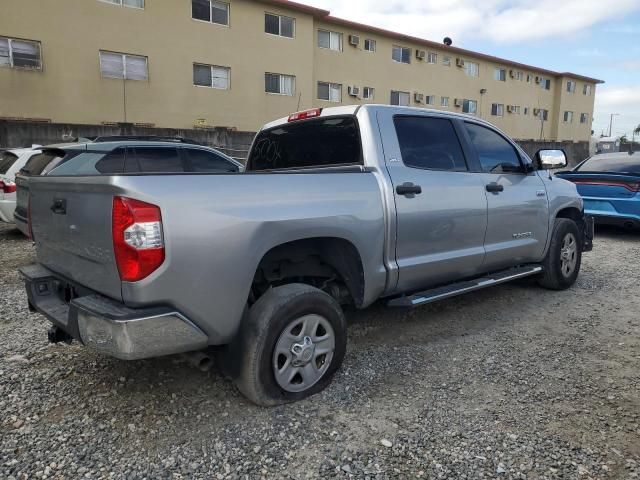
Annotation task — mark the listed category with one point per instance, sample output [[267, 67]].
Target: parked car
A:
[[610, 186], [11, 161], [341, 206], [105, 156]]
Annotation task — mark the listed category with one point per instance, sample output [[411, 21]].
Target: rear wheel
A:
[[292, 341], [564, 257]]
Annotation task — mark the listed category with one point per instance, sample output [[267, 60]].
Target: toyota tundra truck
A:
[[338, 208]]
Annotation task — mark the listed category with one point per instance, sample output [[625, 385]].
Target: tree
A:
[[624, 139], [637, 130]]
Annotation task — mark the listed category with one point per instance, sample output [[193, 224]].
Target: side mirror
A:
[[551, 159]]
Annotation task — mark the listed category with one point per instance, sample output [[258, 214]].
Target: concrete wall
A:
[[576, 151], [70, 89], [23, 134]]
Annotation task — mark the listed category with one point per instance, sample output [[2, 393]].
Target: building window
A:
[[545, 83], [330, 40], [331, 92], [210, 11], [528, 78], [280, 84], [368, 93], [541, 113], [211, 76], [279, 25], [432, 57], [500, 74], [122, 65], [584, 118], [571, 86], [401, 54], [20, 53], [586, 90], [430, 99], [472, 69], [127, 3], [400, 98], [470, 106], [497, 109], [444, 102], [568, 117], [369, 45], [515, 109], [446, 61], [517, 74], [526, 110]]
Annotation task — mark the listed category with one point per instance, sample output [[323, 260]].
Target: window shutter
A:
[[220, 77], [133, 3], [287, 85], [111, 65], [4, 52], [136, 68]]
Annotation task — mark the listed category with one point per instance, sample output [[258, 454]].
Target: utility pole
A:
[[611, 123]]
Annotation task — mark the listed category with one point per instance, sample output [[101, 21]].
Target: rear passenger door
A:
[[200, 160], [518, 211], [441, 208]]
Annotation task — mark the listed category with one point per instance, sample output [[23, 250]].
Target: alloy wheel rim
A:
[[568, 255], [303, 353]]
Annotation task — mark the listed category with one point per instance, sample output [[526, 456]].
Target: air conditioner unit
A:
[[510, 108], [421, 54], [512, 73], [354, 40], [459, 62], [418, 97], [536, 111], [457, 102], [354, 91], [538, 79]]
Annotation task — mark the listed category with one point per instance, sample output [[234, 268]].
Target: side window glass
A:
[[157, 160], [112, 163], [205, 161], [429, 143], [495, 153]]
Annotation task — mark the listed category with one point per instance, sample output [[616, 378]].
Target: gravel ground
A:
[[510, 382]]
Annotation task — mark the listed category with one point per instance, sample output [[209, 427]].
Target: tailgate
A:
[[71, 223]]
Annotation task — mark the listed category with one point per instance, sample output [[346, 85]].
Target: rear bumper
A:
[[618, 220], [6, 210], [106, 325]]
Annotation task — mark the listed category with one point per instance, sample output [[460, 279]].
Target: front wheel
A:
[[564, 257], [292, 341]]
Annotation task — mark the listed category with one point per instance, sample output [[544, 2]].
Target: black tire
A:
[[554, 277], [253, 349]]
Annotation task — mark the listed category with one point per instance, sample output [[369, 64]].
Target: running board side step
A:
[[454, 289]]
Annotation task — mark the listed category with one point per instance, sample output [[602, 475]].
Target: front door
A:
[[518, 219], [441, 207]]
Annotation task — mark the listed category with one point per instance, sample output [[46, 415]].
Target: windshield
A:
[[320, 142], [7, 159], [618, 164]]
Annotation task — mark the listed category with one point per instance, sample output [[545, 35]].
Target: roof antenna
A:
[[447, 41], [299, 98]]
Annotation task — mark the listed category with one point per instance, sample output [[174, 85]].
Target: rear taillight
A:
[[631, 186], [137, 238], [7, 186]]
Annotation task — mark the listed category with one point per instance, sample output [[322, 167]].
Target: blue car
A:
[[610, 186]]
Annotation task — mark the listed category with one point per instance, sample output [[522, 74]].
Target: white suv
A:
[[11, 161]]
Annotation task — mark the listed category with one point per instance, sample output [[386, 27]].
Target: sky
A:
[[596, 38]]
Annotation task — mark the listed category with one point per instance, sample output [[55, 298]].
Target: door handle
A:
[[408, 189], [59, 206], [495, 188]]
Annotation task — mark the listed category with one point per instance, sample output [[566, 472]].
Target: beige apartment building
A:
[[241, 63]]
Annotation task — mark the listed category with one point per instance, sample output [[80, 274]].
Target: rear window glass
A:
[[619, 164], [83, 163], [7, 159], [313, 143], [205, 161], [37, 164], [155, 160], [112, 163]]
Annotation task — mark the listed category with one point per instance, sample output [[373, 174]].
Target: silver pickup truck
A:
[[338, 207]]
